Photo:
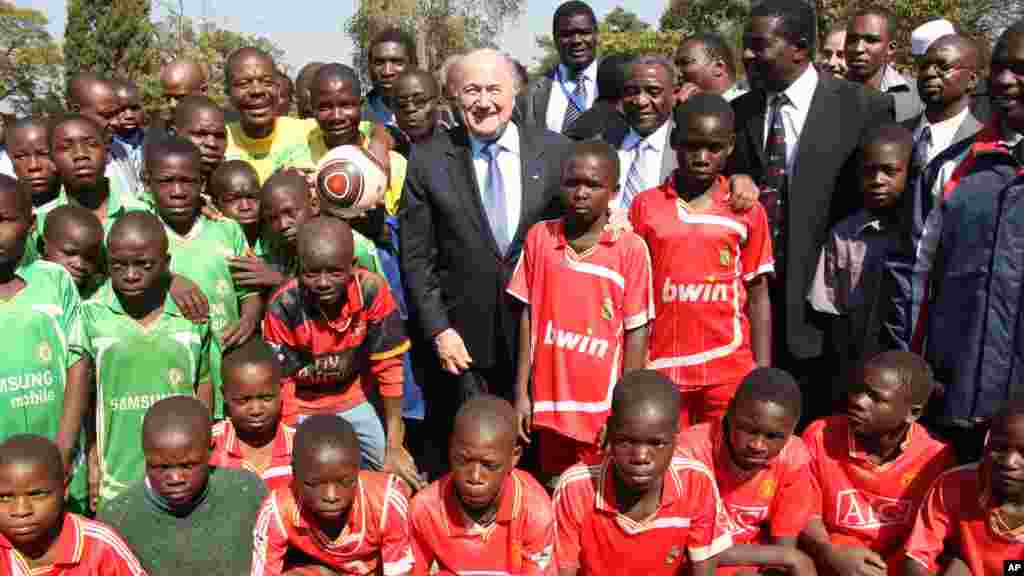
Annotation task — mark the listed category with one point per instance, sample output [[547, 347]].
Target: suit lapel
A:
[[820, 134], [540, 103], [533, 180], [463, 179], [755, 127], [969, 127]]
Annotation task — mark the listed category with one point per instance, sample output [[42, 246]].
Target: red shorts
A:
[[706, 404], [556, 452]]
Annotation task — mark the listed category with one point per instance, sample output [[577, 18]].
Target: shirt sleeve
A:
[[396, 550], [638, 303], [385, 337], [569, 515], [279, 336], [366, 253], [117, 557], [817, 493], [709, 532], [931, 528], [756, 255], [638, 217], [822, 295], [519, 285], [209, 358], [421, 528], [792, 507], [270, 541], [539, 538]]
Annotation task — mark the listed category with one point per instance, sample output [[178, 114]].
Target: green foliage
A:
[[619, 20], [697, 16], [109, 37], [30, 62]]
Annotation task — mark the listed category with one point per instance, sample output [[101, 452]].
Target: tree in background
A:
[[30, 62], [109, 37]]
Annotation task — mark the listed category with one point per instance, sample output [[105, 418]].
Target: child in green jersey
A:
[[74, 239], [234, 189], [199, 245], [143, 348]]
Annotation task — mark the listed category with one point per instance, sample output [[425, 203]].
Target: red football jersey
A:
[[84, 548], [376, 536], [765, 504], [521, 540], [702, 262], [227, 453], [874, 504], [691, 525], [580, 307], [958, 513]]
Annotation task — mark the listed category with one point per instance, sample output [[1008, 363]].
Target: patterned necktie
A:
[[579, 98], [494, 197], [774, 191], [634, 178], [920, 154]]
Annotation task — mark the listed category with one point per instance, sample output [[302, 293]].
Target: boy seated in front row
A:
[[337, 331], [74, 239], [142, 347], [639, 508], [975, 512], [872, 467], [485, 517], [253, 436], [185, 516], [333, 514], [37, 535], [587, 296]]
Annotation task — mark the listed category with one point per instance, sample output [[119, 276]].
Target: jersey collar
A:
[[110, 298], [353, 303], [457, 523], [70, 545], [857, 452], [281, 445], [608, 237]]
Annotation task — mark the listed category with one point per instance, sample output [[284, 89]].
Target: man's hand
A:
[[856, 561], [253, 272], [524, 409], [743, 193], [451, 350], [618, 220], [686, 90], [189, 299], [399, 462], [238, 333]]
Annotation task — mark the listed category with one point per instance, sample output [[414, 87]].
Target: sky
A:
[[317, 31]]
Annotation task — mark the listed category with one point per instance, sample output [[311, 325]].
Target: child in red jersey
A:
[[640, 509], [711, 267], [333, 514], [762, 471], [485, 517], [253, 437], [872, 468], [587, 292], [975, 513], [37, 536]]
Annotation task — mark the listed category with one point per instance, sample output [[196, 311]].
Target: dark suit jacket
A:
[[823, 188], [537, 100], [601, 118], [454, 275], [617, 133]]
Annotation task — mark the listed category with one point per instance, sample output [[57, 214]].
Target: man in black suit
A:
[[559, 97], [470, 196], [812, 169]]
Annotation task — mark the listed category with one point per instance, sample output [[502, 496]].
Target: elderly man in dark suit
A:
[[797, 133]]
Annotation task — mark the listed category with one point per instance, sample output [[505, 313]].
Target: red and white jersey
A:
[[874, 504], [959, 514], [227, 453], [763, 504], [84, 548], [702, 262], [375, 540], [580, 307]]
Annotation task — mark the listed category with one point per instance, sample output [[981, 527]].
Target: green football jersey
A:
[[117, 205], [364, 252], [136, 366]]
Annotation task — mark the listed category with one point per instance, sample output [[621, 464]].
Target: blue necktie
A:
[[579, 97], [494, 197], [634, 179]]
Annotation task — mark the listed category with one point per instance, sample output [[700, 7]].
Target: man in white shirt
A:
[[705, 63], [560, 97]]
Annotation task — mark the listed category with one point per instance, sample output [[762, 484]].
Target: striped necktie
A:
[[579, 97], [634, 178]]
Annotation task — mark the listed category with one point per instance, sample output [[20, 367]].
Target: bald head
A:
[[501, 66], [189, 106], [33, 450], [290, 183], [322, 433], [183, 77], [241, 55], [176, 417], [139, 227], [84, 88], [486, 418], [644, 392], [327, 239]]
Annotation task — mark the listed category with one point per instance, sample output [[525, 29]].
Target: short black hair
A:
[[191, 104], [716, 48], [889, 133], [20, 190], [770, 385], [1011, 409], [240, 53], [599, 149], [644, 387], [255, 352], [701, 104], [882, 12], [33, 449], [225, 170], [321, 431], [611, 77], [798, 23], [160, 148], [334, 70], [184, 415], [71, 215], [570, 9], [913, 373], [428, 79], [394, 34], [69, 118], [27, 122], [145, 224], [486, 412]]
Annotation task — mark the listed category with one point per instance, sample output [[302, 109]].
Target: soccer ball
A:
[[350, 182]]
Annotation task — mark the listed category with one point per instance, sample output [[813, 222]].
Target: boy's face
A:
[[1005, 451], [102, 107], [206, 129], [879, 404], [326, 483], [30, 153], [587, 187], [324, 271], [884, 174], [757, 432], [285, 211], [415, 107], [1007, 79], [642, 441], [704, 150], [337, 110], [77, 248], [137, 265], [31, 503], [175, 183], [79, 154], [239, 198], [387, 61], [253, 395], [480, 461], [16, 221], [131, 117], [253, 91], [177, 465]]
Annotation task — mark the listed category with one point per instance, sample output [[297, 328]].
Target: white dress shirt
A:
[[511, 174], [652, 149], [562, 86], [942, 132], [794, 113], [6, 165]]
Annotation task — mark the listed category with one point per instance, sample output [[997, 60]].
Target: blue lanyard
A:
[[581, 106]]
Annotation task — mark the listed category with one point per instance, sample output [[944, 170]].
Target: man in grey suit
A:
[[558, 98]]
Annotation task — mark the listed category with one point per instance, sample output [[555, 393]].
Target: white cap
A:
[[923, 36]]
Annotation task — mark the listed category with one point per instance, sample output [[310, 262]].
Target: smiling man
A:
[[570, 89]]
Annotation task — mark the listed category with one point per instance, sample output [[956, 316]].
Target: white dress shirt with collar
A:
[[6, 165], [794, 114], [652, 150], [511, 174], [562, 86], [942, 132]]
